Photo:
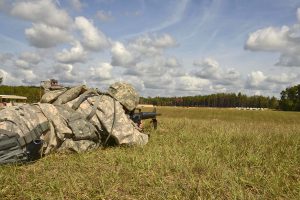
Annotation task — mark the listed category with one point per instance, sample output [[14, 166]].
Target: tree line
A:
[[215, 100], [31, 92], [289, 101]]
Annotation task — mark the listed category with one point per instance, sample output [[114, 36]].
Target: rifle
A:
[[137, 117]]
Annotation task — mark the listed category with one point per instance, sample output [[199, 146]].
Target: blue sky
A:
[[163, 48]]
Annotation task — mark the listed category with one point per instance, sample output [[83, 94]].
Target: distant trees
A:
[[215, 100], [31, 92], [290, 99]]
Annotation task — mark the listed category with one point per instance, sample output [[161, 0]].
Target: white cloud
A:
[[76, 4], [102, 72], [29, 77], [44, 11], [93, 39], [232, 74], [62, 68], [66, 74], [104, 16], [172, 62], [283, 78], [25, 63], [255, 80], [177, 72], [143, 48], [218, 88], [271, 84], [121, 56], [5, 57], [206, 62], [30, 57], [150, 45], [152, 68], [269, 39], [144, 59], [20, 77], [8, 79], [230, 77], [164, 81], [211, 70], [74, 55], [192, 83], [164, 41], [284, 40], [44, 36], [156, 67], [289, 59], [22, 64]]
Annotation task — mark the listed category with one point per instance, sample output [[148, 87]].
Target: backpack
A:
[[16, 149]]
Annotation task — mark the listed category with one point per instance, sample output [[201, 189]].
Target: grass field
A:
[[196, 153]]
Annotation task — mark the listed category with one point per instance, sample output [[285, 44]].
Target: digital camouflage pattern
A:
[[80, 119], [21, 119], [51, 96], [125, 94]]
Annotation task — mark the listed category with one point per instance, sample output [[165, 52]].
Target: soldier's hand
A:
[[139, 126]]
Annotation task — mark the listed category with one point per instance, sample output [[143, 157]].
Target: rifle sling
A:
[[113, 123], [83, 97], [94, 108], [34, 134], [13, 148]]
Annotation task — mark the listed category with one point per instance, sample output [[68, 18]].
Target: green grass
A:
[[196, 153]]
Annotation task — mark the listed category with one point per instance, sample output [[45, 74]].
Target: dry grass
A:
[[196, 153]]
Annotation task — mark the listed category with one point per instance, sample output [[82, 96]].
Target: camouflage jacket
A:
[[80, 119]]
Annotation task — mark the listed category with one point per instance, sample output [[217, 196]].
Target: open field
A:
[[196, 153]]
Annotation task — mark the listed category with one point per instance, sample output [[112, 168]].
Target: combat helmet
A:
[[125, 94]]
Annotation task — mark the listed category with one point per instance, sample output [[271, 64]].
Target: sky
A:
[[163, 48]]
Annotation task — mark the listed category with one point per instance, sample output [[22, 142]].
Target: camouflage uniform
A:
[[79, 118]]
